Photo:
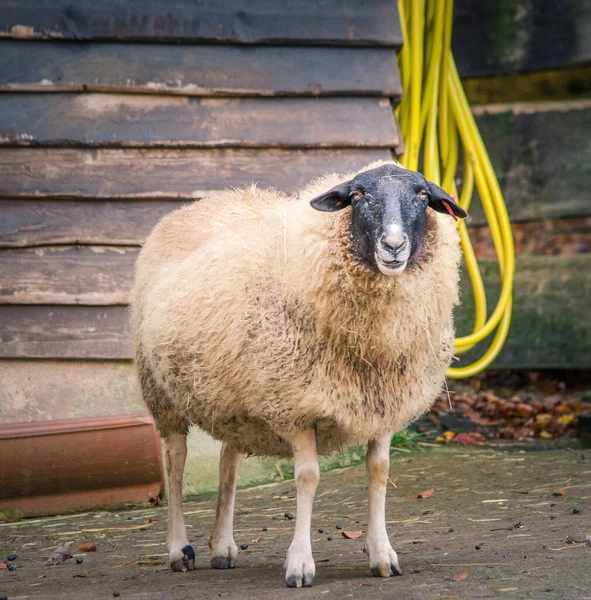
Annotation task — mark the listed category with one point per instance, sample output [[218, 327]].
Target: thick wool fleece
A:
[[252, 319]]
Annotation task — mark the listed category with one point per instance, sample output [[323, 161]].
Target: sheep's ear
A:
[[335, 199], [442, 202]]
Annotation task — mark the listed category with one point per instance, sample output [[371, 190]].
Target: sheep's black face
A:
[[388, 221]]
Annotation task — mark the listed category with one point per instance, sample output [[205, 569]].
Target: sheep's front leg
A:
[[299, 564], [223, 548], [181, 555], [382, 558]]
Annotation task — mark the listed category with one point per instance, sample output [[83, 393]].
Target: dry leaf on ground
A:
[[426, 494], [469, 438], [351, 535], [460, 576], [87, 547]]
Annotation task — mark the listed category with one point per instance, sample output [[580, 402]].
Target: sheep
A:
[[287, 331]]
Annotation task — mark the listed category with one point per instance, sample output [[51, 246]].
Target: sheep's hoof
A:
[[183, 559], [222, 562], [299, 567], [385, 570], [383, 561], [298, 581]]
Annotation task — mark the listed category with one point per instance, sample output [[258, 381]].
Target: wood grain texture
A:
[[198, 70], [372, 22], [67, 275], [65, 332], [116, 120], [187, 173], [43, 390], [550, 327], [491, 37], [44, 222], [542, 156]]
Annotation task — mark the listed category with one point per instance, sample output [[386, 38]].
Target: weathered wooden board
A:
[[42, 390], [117, 120], [115, 222], [205, 70], [65, 332], [491, 37], [372, 22], [186, 173], [550, 328], [67, 275], [542, 156]]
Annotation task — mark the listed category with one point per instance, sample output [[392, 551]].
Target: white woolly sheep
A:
[[283, 330]]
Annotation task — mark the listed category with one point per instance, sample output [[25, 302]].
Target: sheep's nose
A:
[[393, 241]]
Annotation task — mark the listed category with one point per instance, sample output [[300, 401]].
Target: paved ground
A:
[[466, 528]]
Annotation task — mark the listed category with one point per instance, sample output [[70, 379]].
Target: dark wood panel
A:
[[542, 156], [65, 332], [550, 327], [139, 120], [491, 37], [67, 275], [236, 21], [120, 222], [105, 173], [198, 70]]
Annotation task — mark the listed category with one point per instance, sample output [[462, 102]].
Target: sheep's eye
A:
[[357, 195], [423, 194]]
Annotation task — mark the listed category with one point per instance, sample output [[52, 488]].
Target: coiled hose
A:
[[435, 113]]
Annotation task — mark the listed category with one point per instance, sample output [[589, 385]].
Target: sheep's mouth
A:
[[391, 267]]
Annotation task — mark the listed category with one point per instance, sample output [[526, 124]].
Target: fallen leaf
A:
[[440, 439], [258, 539], [460, 576], [61, 554], [560, 492], [543, 418], [566, 419], [544, 434], [351, 535], [87, 547], [469, 438], [426, 494], [3, 566], [449, 435]]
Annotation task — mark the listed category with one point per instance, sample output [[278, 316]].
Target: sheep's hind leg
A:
[[383, 561], [180, 553], [223, 548], [299, 563]]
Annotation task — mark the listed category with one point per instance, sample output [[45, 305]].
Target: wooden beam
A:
[[550, 327], [541, 154], [373, 22], [67, 275], [493, 38], [202, 70], [187, 174], [65, 332], [99, 222], [41, 390], [117, 120]]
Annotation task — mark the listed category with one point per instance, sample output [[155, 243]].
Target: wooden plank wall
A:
[[106, 125], [113, 114]]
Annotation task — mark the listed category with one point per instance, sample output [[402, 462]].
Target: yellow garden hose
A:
[[434, 114]]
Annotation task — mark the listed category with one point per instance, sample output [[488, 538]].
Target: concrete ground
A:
[[462, 542]]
